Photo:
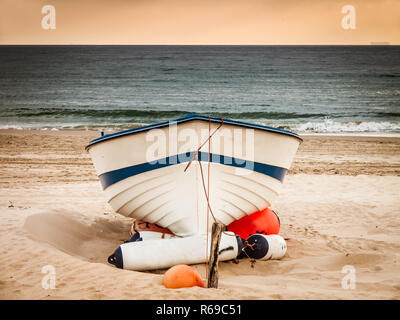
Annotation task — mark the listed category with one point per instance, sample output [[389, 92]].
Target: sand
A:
[[340, 206]]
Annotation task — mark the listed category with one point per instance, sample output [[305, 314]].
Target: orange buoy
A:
[[265, 221], [182, 276]]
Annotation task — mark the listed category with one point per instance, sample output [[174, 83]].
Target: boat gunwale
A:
[[191, 117]]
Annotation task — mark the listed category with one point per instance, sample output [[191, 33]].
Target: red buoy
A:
[[265, 222]]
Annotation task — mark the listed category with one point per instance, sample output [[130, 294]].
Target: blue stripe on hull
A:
[[111, 177]]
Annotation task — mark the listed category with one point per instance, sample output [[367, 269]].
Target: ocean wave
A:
[[387, 114], [86, 118], [127, 115], [330, 126], [309, 127], [389, 75]]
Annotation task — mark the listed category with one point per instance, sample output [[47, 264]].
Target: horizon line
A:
[[374, 44]]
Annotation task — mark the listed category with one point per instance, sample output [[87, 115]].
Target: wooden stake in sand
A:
[[214, 252]]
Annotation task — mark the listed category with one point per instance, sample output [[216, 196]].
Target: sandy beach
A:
[[340, 206]]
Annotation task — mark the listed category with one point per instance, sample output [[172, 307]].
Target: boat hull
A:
[[158, 176]]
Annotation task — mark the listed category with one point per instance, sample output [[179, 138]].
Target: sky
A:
[[195, 22]]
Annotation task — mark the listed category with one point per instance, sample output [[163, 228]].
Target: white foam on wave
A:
[[330, 126], [327, 126], [337, 127], [11, 126]]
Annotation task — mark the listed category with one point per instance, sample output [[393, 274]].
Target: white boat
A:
[[158, 173]]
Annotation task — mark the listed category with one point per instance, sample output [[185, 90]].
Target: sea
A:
[[306, 89]]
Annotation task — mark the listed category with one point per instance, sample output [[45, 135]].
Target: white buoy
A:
[[265, 247], [164, 253]]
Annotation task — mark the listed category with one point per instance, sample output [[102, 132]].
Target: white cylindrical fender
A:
[[265, 247], [164, 253]]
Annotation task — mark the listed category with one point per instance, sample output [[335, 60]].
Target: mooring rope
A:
[[207, 190], [208, 193], [195, 154]]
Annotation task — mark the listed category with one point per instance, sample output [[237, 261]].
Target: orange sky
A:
[[220, 22]]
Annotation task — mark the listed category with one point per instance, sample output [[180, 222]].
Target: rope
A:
[[248, 245], [207, 190], [198, 149], [207, 193]]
